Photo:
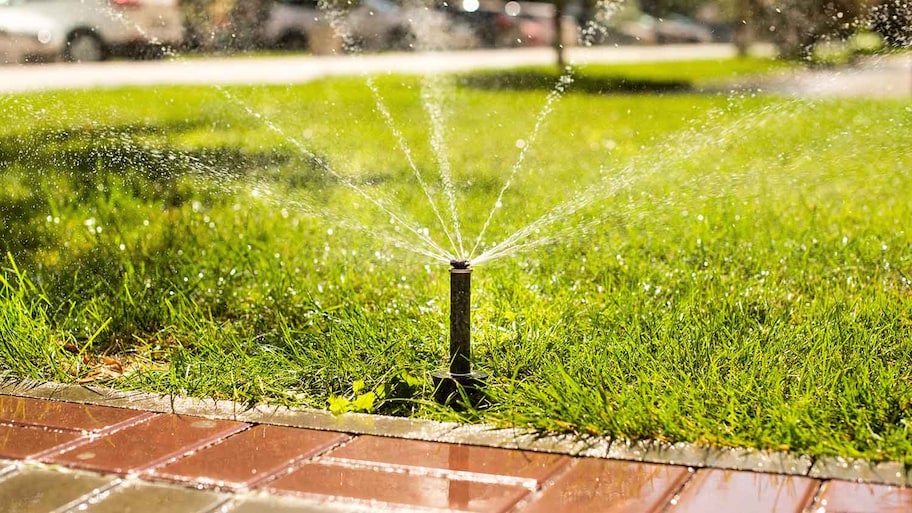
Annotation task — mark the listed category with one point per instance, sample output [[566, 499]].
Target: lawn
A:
[[734, 270]]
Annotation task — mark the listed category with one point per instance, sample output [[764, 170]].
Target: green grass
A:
[[742, 279], [650, 77]]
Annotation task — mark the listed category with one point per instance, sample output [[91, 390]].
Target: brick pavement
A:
[[60, 456]]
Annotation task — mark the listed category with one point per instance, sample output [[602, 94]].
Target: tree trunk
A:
[[742, 33], [559, 34]]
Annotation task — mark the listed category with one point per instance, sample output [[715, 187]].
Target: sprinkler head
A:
[[460, 264], [459, 386]]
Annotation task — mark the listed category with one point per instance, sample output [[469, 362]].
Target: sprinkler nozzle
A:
[[460, 264]]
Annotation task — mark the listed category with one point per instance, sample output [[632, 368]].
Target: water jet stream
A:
[[343, 31], [403, 146], [430, 92], [695, 141], [342, 178], [345, 35], [556, 93]]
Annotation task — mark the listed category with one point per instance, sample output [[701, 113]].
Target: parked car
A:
[[673, 29], [86, 30], [677, 28], [513, 23], [372, 25], [291, 24]]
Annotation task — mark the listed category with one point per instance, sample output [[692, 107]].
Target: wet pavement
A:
[[58, 456]]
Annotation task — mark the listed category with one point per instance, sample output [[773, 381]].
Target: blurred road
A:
[[296, 69], [875, 77]]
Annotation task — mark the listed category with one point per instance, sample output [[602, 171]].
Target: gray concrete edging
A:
[[692, 455]]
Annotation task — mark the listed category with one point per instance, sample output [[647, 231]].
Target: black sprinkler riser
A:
[[459, 382], [460, 321]]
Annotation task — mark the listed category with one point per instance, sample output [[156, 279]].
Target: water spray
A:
[[459, 381]]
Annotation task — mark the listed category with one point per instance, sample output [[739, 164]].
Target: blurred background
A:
[[94, 30]]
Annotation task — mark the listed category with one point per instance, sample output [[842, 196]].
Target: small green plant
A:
[[401, 387], [356, 402]]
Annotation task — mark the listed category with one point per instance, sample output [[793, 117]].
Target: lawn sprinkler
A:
[[450, 386]]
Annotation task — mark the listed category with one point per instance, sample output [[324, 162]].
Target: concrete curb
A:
[[863, 471]]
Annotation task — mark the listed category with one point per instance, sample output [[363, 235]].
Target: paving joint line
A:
[[552, 480], [674, 495], [528, 483], [88, 497], [815, 497], [355, 502], [298, 463], [483, 435], [148, 473]]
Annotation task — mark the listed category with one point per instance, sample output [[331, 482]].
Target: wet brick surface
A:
[[173, 458], [61, 415], [249, 457], [611, 487], [483, 460], [42, 490], [845, 497], [148, 443], [435, 492], [23, 442], [745, 492], [153, 498]]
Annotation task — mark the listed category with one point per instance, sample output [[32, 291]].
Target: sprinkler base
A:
[[457, 389]]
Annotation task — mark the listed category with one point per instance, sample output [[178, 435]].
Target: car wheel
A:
[[294, 42], [400, 38], [84, 47]]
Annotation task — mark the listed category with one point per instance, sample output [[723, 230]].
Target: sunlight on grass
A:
[[741, 277]]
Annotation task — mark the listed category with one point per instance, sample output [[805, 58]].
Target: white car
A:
[[371, 25], [85, 30]]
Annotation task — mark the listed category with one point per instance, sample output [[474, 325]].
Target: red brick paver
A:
[[146, 444], [324, 481], [843, 497], [22, 442], [452, 457], [67, 416], [249, 457], [745, 492], [611, 487], [186, 453]]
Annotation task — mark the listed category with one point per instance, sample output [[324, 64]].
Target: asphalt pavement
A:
[[883, 76], [887, 76]]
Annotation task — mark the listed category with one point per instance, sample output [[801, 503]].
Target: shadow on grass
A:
[[146, 153], [43, 170], [127, 148], [540, 80]]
